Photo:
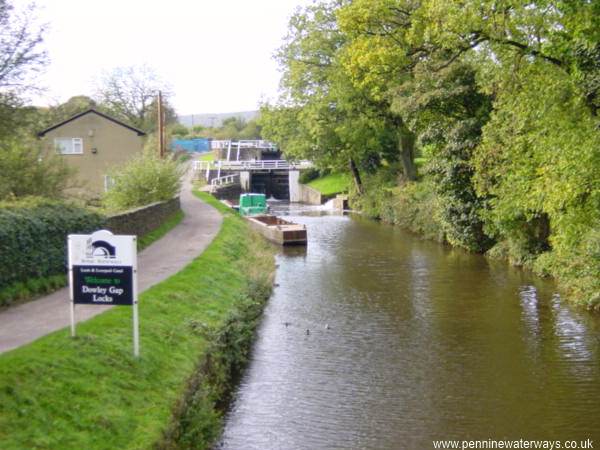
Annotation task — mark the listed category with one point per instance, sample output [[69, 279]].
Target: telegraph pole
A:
[[161, 125]]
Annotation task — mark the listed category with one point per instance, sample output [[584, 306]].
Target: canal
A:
[[410, 341]]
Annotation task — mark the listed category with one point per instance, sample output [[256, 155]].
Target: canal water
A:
[[376, 339]]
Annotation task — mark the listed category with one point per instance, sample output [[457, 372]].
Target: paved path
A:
[[24, 323]]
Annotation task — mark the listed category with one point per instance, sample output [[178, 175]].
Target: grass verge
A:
[[24, 291], [90, 393], [208, 156], [331, 184], [155, 235]]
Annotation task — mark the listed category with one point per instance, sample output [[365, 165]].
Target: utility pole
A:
[[161, 125]]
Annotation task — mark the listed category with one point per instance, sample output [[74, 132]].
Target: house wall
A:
[[114, 144]]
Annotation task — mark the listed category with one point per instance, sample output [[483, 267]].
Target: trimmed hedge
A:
[[33, 237]]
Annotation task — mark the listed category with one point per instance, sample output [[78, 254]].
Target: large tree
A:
[[130, 93], [321, 115], [21, 57]]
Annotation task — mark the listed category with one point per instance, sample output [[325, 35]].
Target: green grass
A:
[[155, 235], [331, 184], [209, 156], [24, 291], [90, 393], [420, 162]]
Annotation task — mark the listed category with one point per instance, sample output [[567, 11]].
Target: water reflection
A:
[[410, 341]]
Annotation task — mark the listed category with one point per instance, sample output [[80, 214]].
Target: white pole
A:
[[228, 150], [72, 318], [136, 330], [136, 321], [72, 303]]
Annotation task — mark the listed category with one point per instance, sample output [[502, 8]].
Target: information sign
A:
[[103, 271]]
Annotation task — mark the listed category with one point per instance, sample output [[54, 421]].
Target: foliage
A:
[[448, 112], [33, 233], [306, 176], [22, 291], [417, 207], [26, 170], [48, 399], [21, 57], [235, 128], [232, 128], [375, 200], [197, 419], [130, 94], [501, 99], [66, 110], [145, 179], [180, 130], [30, 288], [539, 162], [321, 115]]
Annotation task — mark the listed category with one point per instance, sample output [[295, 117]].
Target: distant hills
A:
[[214, 120]]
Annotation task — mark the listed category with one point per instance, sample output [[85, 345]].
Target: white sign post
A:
[[103, 271]]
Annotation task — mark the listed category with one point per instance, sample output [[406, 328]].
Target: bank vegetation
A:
[[475, 122]]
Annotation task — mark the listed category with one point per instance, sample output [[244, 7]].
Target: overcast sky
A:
[[215, 54]]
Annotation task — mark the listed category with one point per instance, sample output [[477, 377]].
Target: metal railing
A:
[[265, 145], [222, 181], [203, 165], [280, 164]]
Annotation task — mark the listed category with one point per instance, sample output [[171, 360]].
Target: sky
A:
[[216, 55]]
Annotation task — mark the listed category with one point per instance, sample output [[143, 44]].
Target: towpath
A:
[[25, 323]]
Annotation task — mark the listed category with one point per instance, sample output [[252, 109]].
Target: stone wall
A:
[[141, 221], [310, 195]]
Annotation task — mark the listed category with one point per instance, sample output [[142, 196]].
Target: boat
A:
[[277, 230]]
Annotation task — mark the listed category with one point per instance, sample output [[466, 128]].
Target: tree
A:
[[71, 107], [379, 56], [180, 131], [321, 114], [448, 113], [145, 179], [21, 57], [26, 171], [130, 93]]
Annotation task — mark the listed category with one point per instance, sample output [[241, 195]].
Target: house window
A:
[[69, 146]]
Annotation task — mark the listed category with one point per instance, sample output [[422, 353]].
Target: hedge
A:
[[33, 236]]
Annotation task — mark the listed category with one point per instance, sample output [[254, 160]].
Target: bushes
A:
[[145, 179], [25, 170], [33, 236], [415, 206]]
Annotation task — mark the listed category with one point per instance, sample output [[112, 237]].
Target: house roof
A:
[[92, 110]]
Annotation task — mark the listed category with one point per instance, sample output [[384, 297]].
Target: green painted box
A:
[[251, 204]]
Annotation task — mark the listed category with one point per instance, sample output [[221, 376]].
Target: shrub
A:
[[33, 237], [145, 179], [25, 170], [417, 207]]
